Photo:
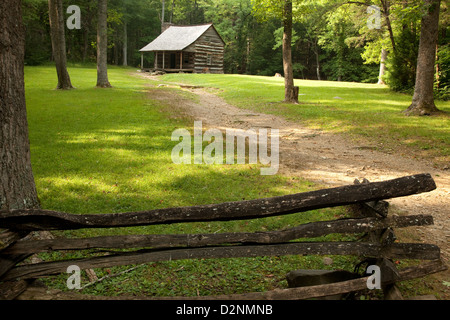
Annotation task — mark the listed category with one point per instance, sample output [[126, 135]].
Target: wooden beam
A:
[[11, 289], [309, 230], [395, 251], [34, 219], [7, 237]]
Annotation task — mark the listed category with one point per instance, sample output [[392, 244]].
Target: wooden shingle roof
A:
[[176, 38]]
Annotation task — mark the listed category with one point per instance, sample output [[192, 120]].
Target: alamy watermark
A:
[[235, 140], [374, 20], [373, 281], [74, 281], [74, 21]]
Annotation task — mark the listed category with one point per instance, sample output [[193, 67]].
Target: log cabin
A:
[[195, 49]]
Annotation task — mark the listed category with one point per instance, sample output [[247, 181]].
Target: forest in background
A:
[[331, 39]]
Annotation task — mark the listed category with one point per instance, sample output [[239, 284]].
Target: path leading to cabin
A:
[[327, 159]]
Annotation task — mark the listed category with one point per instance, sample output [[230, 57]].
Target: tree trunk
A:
[[289, 90], [316, 52], [56, 18], [423, 99], [125, 44], [386, 12], [102, 45], [17, 188], [384, 54]]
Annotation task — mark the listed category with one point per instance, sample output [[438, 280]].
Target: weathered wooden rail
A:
[[16, 245]]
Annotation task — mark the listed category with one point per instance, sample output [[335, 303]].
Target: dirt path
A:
[[331, 159]]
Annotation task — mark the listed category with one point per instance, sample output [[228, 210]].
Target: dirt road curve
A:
[[330, 159]]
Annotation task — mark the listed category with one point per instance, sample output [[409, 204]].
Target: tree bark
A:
[[17, 187], [56, 18], [102, 45], [125, 44], [384, 54], [289, 91], [386, 12], [423, 99]]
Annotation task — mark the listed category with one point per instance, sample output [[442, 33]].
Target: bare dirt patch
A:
[[331, 160]]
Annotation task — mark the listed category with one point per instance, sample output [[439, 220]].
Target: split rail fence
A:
[[17, 242]]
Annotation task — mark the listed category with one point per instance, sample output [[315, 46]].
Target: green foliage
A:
[[233, 20], [264, 60], [402, 64], [442, 82], [331, 38], [344, 62], [38, 43], [267, 9]]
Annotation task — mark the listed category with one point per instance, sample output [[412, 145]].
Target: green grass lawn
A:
[[362, 111], [109, 150]]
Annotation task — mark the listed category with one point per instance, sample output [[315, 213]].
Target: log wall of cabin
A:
[[209, 51]]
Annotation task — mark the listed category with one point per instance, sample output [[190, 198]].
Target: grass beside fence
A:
[[109, 150]]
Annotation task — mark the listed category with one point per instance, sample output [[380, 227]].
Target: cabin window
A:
[[208, 59]]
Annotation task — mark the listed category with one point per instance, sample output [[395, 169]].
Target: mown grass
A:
[[367, 113], [109, 150]]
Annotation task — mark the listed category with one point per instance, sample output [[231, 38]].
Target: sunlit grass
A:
[[109, 150], [363, 111]]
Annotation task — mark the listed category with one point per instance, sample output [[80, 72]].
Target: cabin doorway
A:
[[173, 60]]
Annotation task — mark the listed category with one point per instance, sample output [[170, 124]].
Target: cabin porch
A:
[[171, 61]]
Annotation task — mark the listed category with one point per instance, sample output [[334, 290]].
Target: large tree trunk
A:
[[17, 188], [316, 52], [102, 45], [290, 92], [384, 54], [423, 99], [56, 18]]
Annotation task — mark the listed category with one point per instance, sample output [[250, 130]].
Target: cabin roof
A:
[[176, 38]]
